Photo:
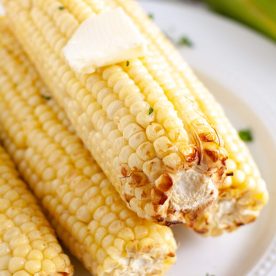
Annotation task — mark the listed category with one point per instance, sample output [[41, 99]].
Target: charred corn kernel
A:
[[86, 211], [138, 105], [243, 194], [16, 248]]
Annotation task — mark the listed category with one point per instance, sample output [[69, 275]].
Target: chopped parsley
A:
[[150, 110], [185, 41], [47, 98], [127, 63], [246, 135], [151, 15], [61, 8]]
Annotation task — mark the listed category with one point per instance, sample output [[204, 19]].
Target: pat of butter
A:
[[108, 38]]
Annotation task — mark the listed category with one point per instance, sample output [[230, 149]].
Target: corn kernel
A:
[[16, 263], [35, 255], [33, 266], [48, 266]]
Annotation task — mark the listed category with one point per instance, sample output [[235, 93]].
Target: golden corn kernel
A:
[[15, 264]]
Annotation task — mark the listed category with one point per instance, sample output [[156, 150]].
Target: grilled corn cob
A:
[[87, 212], [28, 245], [243, 193], [147, 134]]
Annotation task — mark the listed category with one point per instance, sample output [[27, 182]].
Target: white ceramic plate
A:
[[239, 67]]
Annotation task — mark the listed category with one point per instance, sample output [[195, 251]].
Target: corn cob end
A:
[[173, 195]]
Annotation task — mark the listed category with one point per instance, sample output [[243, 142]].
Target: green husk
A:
[[259, 14]]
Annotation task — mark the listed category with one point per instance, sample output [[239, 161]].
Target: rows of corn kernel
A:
[[245, 185], [27, 242], [246, 175], [117, 122], [88, 214]]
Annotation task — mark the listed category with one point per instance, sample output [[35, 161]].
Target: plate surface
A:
[[239, 67]]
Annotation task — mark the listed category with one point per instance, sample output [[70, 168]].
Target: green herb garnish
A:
[[185, 41], [246, 135], [151, 15], [47, 98], [127, 63], [61, 8], [150, 110]]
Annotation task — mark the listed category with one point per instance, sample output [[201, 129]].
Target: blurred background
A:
[[259, 15]]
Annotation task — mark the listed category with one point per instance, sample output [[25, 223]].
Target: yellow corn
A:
[[243, 193], [28, 245], [86, 211], [147, 132]]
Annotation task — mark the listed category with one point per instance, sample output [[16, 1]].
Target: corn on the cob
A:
[[147, 133], [87, 212], [28, 245], [243, 193]]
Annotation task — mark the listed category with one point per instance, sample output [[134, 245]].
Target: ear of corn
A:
[[147, 132], [243, 193], [86, 211], [28, 245]]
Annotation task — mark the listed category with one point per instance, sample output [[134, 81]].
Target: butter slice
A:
[[108, 38]]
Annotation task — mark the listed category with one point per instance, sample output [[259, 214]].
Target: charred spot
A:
[[230, 174], [164, 183], [163, 199], [206, 137], [171, 254], [240, 224], [192, 216], [158, 197], [221, 171], [212, 154], [192, 156], [201, 231], [138, 179], [124, 171], [158, 218], [223, 160]]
